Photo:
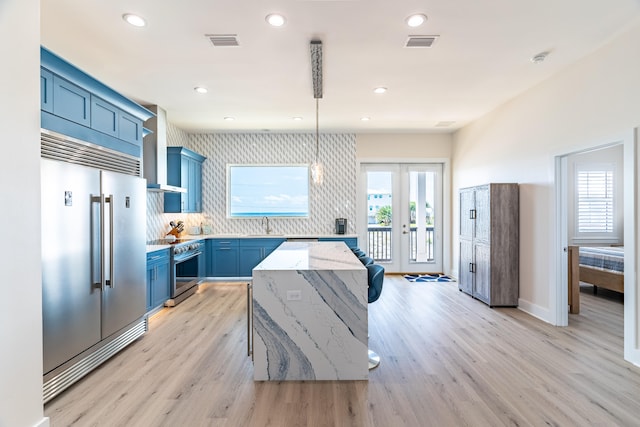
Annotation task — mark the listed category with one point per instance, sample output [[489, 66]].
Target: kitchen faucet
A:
[[267, 229]]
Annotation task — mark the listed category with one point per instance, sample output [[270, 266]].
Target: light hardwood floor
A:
[[447, 360]]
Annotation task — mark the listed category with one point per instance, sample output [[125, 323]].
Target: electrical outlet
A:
[[294, 295]]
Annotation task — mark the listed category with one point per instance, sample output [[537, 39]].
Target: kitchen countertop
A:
[[153, 248], [311, 256], [263, 236], [310, 314]]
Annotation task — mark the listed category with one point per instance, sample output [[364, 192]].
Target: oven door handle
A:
[[187, 257]]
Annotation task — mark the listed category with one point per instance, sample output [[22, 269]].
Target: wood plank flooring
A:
[[447, 360]]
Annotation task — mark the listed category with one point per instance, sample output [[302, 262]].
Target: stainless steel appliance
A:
[[187, 268], [341, 225], [93, 259]]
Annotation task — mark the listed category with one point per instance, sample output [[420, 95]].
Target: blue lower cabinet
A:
[[352, 242], [250, 256], [158, 278], [253, 251], [222, 257]]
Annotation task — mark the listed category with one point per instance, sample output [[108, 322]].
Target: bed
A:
[[600, 266]]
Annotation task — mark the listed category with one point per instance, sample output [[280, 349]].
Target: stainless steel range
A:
[[187, 268]]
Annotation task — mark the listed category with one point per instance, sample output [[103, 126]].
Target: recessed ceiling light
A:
[[365, 119], [416, 20], [275, 19], [380, 90], [229, 118], [297, 119], [200, 89], [135, 20]]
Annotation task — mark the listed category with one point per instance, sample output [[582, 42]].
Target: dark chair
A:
[[358, 252], [375, 274], [365, 260]]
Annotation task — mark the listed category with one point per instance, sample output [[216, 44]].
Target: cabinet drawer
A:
[[158, 256], [221, 243]]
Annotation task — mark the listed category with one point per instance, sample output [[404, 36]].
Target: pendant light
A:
[[317, 172]]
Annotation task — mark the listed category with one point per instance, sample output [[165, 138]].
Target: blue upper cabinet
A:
[[184, 169], [104, 116], [46, 90], [75, 104]]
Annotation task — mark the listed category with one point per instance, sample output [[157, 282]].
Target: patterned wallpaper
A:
[[334, 198]]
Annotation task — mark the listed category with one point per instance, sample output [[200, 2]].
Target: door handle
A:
[[472, 214], [249, 318], [111, 281], [103, 279]]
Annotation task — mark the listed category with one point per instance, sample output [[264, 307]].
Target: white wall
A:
[[396, 146], [21, 313], [588, 104]]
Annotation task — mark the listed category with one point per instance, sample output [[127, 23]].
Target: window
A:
[[595, 199], [267, 190]]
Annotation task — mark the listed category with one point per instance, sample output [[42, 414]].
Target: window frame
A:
[[601, 236]]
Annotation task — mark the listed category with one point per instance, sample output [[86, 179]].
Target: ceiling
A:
[[481, 59]]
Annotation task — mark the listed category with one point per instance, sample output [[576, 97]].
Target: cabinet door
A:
[[161, 286], [71, 102], [46, 90], [150, 278], [225, 262], [250, 257], [197, 186], [483, 215], [465, 267], [467, 213], [482, 284], [129, 128], [185, 163], [104, 116]]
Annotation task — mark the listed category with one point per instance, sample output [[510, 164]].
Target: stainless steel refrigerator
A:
[[94, 274]]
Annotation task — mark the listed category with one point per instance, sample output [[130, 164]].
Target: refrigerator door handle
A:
[[111, 282], [103, 279], [97, 237]]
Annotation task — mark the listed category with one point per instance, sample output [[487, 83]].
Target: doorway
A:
[[403, 213], [560, 296]]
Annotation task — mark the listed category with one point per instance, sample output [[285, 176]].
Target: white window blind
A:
[[595, 201]]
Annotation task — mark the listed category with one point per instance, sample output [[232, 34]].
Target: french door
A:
[[402, 216]]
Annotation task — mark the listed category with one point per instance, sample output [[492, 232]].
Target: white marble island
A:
[[310, 314]]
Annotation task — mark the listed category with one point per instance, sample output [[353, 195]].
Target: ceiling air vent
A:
[[421, 41], [445, 123], [223, 40]]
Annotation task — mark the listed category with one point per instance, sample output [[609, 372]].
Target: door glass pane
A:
[[379, 185], [422, 186]]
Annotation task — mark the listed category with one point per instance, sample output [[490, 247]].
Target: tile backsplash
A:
[[334, 198]]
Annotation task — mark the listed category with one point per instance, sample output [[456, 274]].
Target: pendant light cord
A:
[[317, 131]]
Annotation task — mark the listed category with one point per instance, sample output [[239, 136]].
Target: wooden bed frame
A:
[[598, 278]]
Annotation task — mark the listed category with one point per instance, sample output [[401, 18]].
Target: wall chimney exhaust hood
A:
[[154, 153]]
